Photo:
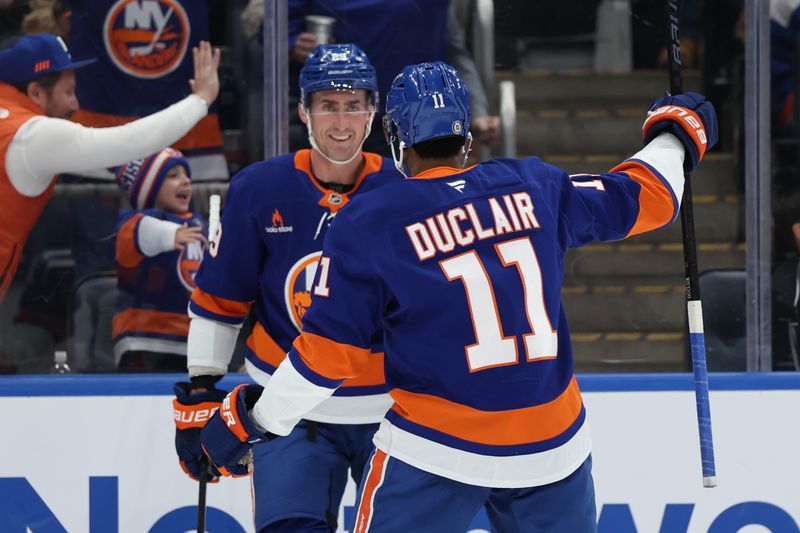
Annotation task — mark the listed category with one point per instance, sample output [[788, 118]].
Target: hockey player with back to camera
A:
[[459, 270], [263, 257]]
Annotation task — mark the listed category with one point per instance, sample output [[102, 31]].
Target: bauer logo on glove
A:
[[690, 117], [230, 434]]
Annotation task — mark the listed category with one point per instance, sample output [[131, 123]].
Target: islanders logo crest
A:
[[297, 290], [146, 38], [189, 263]]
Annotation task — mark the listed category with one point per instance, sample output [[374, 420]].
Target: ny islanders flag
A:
[[144, 51]]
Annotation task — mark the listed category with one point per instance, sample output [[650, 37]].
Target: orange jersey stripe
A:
[[220, 306], [498, 428], [331, 359], [127, 255], [205, 134], [266, 349], [147, 320], [656, 205], [377, 469], [264, 346]]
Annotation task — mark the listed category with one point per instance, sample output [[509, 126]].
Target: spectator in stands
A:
[[786, 284], [48, 16], [393, 33], [37, 92], [12, 12], [143, 69], [784, 33], [159, 246], [143, 63]]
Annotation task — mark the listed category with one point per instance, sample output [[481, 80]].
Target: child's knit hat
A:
[[141, 179]]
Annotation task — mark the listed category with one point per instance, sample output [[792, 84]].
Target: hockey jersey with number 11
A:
[[460, 271]]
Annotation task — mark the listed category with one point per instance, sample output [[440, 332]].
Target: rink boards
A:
[[95, 454]]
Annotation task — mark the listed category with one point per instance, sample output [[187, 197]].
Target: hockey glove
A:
[[230, 434], [690, 117], [191, 413]]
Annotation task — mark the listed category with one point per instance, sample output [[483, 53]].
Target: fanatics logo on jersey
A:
[[277, 224], [458, 185], [146, 39]]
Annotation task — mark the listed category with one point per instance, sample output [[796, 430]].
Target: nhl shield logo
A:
[[297, 290], [146, 39]]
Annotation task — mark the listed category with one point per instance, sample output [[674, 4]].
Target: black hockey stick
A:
[[693, 304], [201, 496]]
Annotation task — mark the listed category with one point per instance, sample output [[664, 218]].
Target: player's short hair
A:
[[439, 148]]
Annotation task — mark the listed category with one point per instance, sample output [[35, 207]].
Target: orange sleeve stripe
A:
[[150, 321], [676, 114], [331, 359], [371, 376], [499, 428], [127, 255], [205, 134], [220, 306], [266, 349], [656, 203]]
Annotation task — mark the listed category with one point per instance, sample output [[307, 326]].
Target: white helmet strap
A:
[[466, 149], [313, 142]]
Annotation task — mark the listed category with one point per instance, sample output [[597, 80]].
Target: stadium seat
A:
[[93, 301], [724, 319]]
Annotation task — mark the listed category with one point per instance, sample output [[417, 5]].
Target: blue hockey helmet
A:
[[337, 66], [426, 101]]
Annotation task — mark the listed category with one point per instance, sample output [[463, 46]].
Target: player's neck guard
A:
[[313, 142]]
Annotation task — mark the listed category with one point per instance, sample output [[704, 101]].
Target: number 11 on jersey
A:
[[492, 348]]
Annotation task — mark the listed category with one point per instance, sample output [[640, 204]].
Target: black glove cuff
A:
[[251, 395], [205, 382]]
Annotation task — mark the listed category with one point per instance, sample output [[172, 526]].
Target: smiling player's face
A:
[[176, 191], [338, 121]]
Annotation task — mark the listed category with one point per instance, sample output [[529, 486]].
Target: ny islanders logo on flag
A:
[[146, 38]]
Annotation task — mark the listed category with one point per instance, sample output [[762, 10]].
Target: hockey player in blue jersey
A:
[[460, 271], [263, 257]]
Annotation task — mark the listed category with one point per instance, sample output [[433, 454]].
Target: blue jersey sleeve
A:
[[630, 199], [228, 279], [348, 300]]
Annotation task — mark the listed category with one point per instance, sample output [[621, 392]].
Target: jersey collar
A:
[[331, 199], [440, 172]]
